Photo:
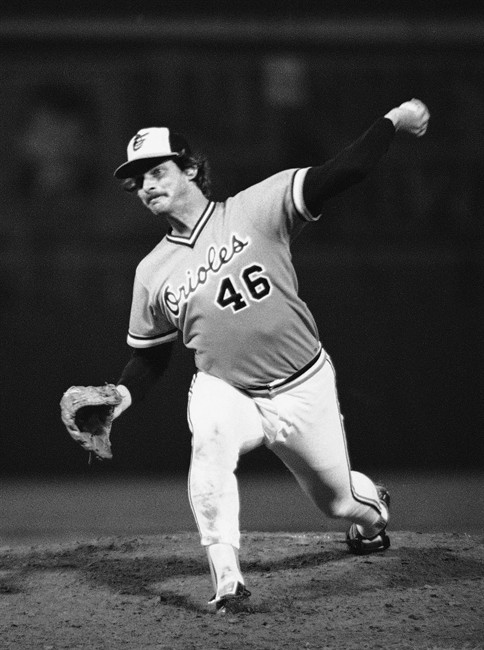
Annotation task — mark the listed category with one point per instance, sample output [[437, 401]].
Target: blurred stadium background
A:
[[393, 272]]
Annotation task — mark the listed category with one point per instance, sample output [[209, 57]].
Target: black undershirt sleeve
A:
[[144, 369], [348, 167]]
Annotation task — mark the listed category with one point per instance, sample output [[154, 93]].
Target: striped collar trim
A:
[[199, 226]]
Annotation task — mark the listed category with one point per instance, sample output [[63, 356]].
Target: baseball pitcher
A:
[[222, 279]]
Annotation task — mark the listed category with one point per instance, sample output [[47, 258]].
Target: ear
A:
[[191, 172]]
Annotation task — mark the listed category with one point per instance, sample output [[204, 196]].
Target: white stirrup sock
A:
[[224, 568]]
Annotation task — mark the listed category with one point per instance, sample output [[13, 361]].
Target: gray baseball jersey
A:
[[230, 287]]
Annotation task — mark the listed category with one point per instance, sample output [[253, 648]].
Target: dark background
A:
[[393, 271]]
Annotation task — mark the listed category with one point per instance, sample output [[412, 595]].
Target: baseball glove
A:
[[87, 412]]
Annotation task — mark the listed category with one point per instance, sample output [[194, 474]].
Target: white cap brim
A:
[[140, 166]]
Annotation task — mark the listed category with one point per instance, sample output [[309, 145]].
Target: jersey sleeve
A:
[[147, 324], [276, 206]]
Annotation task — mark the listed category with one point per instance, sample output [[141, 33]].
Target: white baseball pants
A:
[[300, 422]]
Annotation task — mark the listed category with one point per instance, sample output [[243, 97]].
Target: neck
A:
[[184, 220]]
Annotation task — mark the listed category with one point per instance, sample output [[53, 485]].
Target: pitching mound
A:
[[151, 592]]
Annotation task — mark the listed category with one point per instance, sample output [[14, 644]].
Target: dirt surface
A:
[[151, 592]]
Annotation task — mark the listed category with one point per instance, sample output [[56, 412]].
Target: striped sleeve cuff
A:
[[297, 195], [135, 341]]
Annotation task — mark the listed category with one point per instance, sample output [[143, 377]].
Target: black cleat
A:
[[231, 602], [360, 545]]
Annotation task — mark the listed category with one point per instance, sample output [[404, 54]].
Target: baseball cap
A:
[[147, 147]]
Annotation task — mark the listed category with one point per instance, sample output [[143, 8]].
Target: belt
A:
[[281, 385]]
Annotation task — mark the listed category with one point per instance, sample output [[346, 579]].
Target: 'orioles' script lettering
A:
[[216, 259]]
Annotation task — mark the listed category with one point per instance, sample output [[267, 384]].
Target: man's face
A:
[[164, 188]]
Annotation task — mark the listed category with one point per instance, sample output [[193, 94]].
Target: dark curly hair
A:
[[202, 179]]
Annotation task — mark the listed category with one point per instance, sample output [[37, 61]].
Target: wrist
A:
[[127, 400], [394, 116]]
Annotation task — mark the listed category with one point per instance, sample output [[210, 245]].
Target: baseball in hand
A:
[[412, 116]]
